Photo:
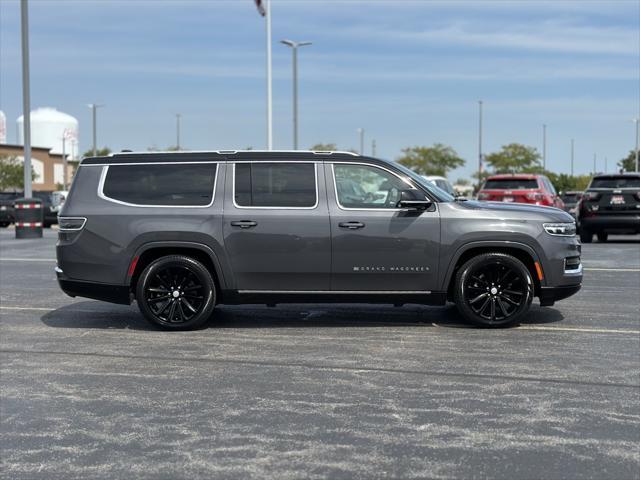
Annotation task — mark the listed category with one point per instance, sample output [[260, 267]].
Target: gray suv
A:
[[181, 232]]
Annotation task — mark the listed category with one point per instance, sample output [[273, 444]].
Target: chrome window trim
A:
[[84, 222], [148, 163], [335, 187], [103, 176], [262, 162]]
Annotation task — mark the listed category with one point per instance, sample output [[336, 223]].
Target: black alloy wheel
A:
[[176, 292], [493, 290]]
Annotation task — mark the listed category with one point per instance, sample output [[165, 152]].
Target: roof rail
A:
[[233, 152]]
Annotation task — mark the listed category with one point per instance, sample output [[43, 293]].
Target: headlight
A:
[[562, 229]]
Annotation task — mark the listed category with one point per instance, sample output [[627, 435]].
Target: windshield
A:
[[615, 182], [432, 188]]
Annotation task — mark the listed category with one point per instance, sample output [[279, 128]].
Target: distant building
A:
[[48, 166], [51, 129]]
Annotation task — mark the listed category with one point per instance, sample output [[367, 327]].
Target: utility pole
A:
[[178, 115], [361, 132], [479, 142], [373, 147], [544, 147], [606, 164], [269, 78], [294, 49], [26, 100], [637, 121], [93, 108], [594, 163], [572, 157], [64, 160]]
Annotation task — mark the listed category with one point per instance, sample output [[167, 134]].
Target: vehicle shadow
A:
[[99, 315]]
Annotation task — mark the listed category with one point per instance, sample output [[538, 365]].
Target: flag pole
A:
[[269, 83]]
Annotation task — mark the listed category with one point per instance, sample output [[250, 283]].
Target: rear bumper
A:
[[97, 291], [629, 222], [549, 295]]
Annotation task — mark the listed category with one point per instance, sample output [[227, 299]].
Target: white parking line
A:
[[594, 269], [27, 259], [578, 329]]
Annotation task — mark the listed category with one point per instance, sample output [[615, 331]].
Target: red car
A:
[[520, 188]]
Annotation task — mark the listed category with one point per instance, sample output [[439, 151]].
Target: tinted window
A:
[[175, 185], [615, 182], [510, 184], [275, 185], [361, 186]]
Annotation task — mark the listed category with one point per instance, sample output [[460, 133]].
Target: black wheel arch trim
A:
[[219, 272], [488, 244]]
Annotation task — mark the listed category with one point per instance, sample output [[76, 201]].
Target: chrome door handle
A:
[[244, 223], [351, 225]]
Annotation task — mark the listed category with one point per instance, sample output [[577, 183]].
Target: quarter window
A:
[[171, 185], [361, 186], [289, 185]]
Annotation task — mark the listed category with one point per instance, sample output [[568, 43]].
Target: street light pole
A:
[[637, 121], [479, 142], [26, 100], [361, 132], [64, 160], [594, 163], [572, 157], [294, 50], [373, 147], [93, 108], [544, 146], [178, 115]]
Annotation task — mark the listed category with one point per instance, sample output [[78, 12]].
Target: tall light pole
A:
[[26, 100], [572, 157], [594, 163], [361, 132], [479, 142], [93, 108], [637, 121], [544, 146], [373, 147], [64, 160], [178, 115], [294, 49]]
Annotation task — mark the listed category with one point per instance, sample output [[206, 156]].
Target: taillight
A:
[[71, 224], [535, 196]]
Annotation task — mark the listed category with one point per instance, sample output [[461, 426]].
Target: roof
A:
[[519, 176], [218, 155], [617, 175]]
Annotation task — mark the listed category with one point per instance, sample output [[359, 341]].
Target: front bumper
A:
[[97, 291], [549, 295]]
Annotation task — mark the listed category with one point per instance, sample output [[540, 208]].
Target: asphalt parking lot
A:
[[90, 390]]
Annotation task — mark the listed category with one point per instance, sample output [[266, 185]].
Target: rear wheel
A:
[[493, 290], [602, 237], [4, 225], [176, 292], [586, 236]]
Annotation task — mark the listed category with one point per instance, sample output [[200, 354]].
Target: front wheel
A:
[[176, 292], [493, 290], [603, 237], [586, 236]]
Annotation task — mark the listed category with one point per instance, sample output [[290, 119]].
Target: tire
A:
[[4, 225], [586, 236], [176, 293], [493, 290], [603, 237]]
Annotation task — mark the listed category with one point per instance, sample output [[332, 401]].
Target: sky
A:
[[408, 72]]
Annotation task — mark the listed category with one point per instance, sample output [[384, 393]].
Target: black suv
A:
[[181, 232], [611, 204]]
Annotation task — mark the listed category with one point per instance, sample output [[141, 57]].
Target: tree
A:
[[515, 158], [435, 160], [463, 182], [12, 173], [100, 152], [324, 147], [628, 163]]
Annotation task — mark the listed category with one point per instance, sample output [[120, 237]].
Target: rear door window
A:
[[180, 184], [275, 185]]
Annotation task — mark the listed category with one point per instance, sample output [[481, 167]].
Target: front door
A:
[[375, 245], [276, 226]]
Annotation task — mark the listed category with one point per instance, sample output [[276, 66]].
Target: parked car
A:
[[570, 200], [7, 214], [611, 204], [520, 188], [49, 208], [442, 183], [182, 232]]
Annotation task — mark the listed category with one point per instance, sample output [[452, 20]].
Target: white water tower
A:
[[3, 127], [48, 127]]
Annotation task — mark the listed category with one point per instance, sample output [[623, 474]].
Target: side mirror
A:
[[414, 200]]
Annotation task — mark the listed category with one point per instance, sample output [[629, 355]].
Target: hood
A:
[[520, 210]]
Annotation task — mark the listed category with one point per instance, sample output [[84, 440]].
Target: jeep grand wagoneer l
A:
[[181, 232]]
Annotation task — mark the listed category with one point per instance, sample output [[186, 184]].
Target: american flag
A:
[[260, 7]]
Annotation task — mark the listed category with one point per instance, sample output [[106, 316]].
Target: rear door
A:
[[276, 226], [376, 246]]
